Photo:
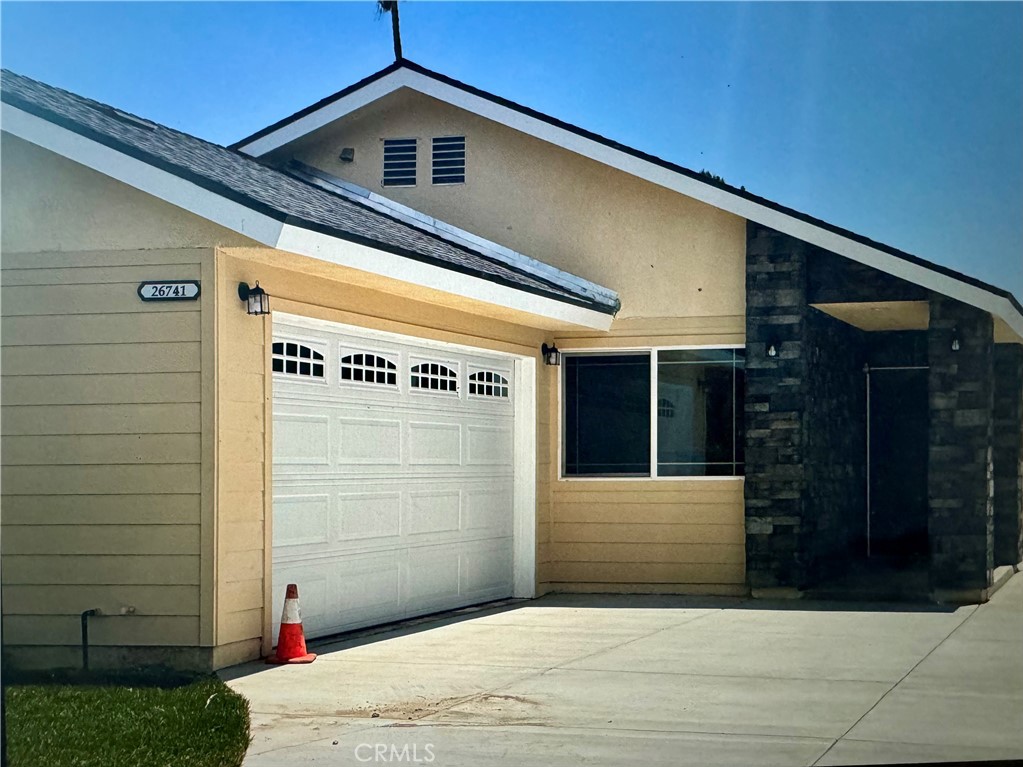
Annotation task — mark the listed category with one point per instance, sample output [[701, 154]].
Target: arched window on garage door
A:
[[433, 376], [293, 358], [488, 383], [366, 367]]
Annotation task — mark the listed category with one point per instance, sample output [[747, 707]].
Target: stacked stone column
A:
[[960, 470]]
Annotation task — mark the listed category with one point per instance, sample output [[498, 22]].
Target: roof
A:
[[285, 198], [405, 73]]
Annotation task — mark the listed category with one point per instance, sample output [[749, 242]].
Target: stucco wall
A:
[[667, 255]]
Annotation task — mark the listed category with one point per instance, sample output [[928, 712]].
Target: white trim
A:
[[652, 172], [268, 231]]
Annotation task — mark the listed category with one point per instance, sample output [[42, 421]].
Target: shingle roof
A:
[[270, 191]]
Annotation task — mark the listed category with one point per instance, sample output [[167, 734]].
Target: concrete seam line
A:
[[897, 683]]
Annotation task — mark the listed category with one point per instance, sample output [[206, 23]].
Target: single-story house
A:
[[418, 347]]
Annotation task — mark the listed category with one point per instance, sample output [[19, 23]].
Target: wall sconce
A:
[[256, 300], [772, 349], [955, 339], [347, 154], [551, 355]]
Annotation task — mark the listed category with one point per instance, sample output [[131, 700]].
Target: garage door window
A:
[[433, 376], [297, 359], [364, 367], [488, 383]]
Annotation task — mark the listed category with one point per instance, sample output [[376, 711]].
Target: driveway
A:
[[567, 680]]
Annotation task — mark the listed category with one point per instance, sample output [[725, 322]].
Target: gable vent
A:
[[399, 162], [449, 160]]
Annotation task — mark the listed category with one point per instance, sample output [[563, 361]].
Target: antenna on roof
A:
[[391, 7]]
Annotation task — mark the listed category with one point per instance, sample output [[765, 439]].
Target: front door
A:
[[898, 420]]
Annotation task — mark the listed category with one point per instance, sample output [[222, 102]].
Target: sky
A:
[[900, 121]]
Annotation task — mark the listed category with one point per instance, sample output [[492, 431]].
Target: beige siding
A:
[[666, 254], [100, 452]]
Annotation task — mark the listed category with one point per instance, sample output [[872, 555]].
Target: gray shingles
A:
[[267, 189]]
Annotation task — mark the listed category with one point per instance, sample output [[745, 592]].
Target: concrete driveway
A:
[[568, 680]]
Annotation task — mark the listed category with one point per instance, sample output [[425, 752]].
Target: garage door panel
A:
[[395, 500], [432, 512], [364, 516], [301, 520], [434, 444]]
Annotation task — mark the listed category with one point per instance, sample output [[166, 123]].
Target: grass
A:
[[137, 720]]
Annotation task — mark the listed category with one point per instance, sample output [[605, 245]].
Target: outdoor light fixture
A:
[[256, 300], [772, 350], [347, 154], [551, 355], [955, 339]]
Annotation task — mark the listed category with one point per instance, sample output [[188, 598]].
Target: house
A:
[[746, 399]]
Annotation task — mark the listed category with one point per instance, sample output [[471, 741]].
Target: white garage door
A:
[[392, 477]]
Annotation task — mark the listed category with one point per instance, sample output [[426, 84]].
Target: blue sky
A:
[[900, 121]]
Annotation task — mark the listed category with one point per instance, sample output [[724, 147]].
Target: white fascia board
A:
[[305, 242], [275, 234], [654, 173]]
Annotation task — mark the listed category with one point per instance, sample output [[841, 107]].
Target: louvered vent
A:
[[449, 160], [399, 162]]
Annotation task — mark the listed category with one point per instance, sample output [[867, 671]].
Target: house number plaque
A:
[[169, 290]]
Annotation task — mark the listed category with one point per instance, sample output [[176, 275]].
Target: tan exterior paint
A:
[[667, 255]]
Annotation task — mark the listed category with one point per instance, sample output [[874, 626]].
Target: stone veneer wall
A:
[[836, 442], [1008, 455], [777, 550], [959, 480], [804, 414]]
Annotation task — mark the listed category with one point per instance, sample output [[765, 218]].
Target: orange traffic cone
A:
[[291, 639]]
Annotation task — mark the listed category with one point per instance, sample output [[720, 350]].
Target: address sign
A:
[[169, 290]]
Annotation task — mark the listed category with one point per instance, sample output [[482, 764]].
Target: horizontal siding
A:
[[680, 573], [178, 418], [101, 449], [681, 536], [56, 330], [63, 300], [148, 357], [103, 630], [100, 539], [156, 479], [75, 599], [116, 570], [102, 389], [80, 449], [100, 510]]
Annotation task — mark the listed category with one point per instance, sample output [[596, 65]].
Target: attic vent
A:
[[399, 162], [449, 160]]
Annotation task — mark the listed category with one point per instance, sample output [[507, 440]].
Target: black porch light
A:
[[955, 339], [551, 355], [256, 300]]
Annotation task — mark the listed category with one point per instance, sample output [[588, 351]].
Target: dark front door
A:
[[898, 463]]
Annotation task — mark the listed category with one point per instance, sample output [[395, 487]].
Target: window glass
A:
[[701, 433], [607, 414]]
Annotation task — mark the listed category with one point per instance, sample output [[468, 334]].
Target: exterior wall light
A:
[[772, 350], [347, 154], [955, 339], [256, 300], [551, 355]]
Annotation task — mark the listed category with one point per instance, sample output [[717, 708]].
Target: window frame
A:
[[652, 352], [314, 346]]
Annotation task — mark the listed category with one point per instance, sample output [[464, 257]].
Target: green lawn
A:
[[136, 721]]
